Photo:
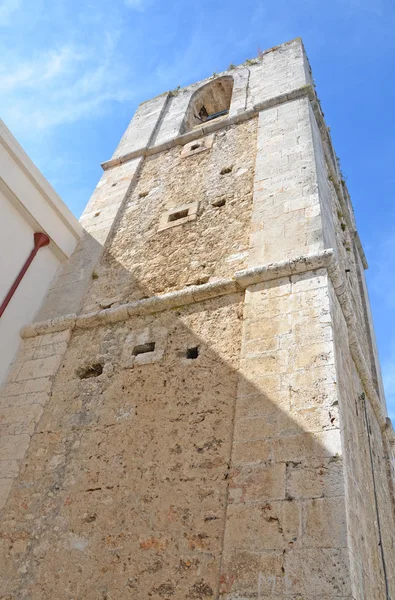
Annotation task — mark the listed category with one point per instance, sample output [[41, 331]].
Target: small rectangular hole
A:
[[219, 202], [192, 352], [178, 215], [143, 348], [226, 170], [93, 370]]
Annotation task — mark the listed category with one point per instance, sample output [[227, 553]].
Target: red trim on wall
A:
[[40, 240]]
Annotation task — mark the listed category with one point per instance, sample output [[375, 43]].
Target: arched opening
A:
[[209, 102]]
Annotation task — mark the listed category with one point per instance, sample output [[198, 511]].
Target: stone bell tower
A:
[[197, 409]]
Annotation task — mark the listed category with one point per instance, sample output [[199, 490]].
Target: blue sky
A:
[[72, 73]]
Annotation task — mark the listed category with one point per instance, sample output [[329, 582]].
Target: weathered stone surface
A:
[[127, 472], [145, 262], [197, 412]]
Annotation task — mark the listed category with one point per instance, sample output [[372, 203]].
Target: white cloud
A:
[[62, 66], [33, 73], [62, 85]]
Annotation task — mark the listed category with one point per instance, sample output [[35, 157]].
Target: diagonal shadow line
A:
[[178, 479]]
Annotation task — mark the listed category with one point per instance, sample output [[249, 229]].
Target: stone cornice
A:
[[188, 295]]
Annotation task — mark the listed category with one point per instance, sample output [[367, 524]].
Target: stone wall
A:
[[67, 290], [339, 233], [23, 397], [123, 491], [199, 415], [141, 260], [286, 219], [285, 532], [369, 497]]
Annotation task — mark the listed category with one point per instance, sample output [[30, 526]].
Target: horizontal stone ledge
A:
[[188, 295], [211, 126], [147, 306], [285, 268], [49, 326]]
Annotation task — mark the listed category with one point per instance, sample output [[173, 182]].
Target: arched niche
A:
[[209, 102]]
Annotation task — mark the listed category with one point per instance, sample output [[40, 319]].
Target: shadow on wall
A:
[[164, 467]]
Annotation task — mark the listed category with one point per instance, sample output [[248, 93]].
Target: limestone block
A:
[[22, 388], [9, 469], [315, 418], [142, 126], [269, 289], [267, 386], [144, 346], [268, 526], [256, 484], [309, 281], [253, 347], [325, 523], [277, 423], [314, 355], [38, 368], [14, 421], [323, 477], [266, 405], [267, 363], [195, 147], [317, 571], [5, 488], [13, 371], [250, 453], [313, 386], [248, 574], [178, 216], [42, 351], [307, 445], [13, 447], [325, 334], [269, 327], [22, 400]]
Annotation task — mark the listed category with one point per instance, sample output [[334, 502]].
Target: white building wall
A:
[[16, 242], [28, 204]]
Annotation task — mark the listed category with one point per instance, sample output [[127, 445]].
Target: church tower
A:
[[197, 410]]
